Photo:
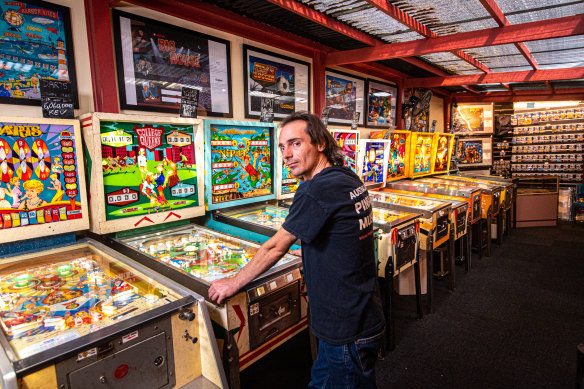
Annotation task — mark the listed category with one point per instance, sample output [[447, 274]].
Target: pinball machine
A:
[[435, 229], [470, 195], [505, 200], [79, 314], [510, 197], [443, 149], [348, 141], [398, 166], [174, 181], [491, 201]]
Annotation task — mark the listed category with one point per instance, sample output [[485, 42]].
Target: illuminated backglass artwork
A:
[[239, 161], [348, 140], [147, 167], [40, 181]]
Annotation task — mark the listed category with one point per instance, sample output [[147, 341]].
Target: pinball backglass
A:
[[42, 179], [144, 169], [348, 141]]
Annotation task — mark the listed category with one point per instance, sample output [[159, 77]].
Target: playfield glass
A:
[[264, 215], [388, 218], [397, 199], [55, 298], [200, 252]]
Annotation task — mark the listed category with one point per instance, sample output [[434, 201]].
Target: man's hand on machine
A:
[[221, 290]]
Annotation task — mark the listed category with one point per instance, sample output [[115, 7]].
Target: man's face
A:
[[298, 153]]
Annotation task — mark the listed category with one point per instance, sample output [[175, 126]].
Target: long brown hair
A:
[[318, 133]]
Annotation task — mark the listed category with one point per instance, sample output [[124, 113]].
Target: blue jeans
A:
[[348, 366]]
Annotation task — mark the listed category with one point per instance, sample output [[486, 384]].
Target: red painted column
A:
[[319, 86], [400, 100], [101, 56], [447, 104]]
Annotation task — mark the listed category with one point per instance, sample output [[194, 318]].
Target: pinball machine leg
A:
[[479, 228], [430, 271], [500, 228], [452, 278], [388, 291], [468, 247], [231, 361], [489, 229], [418, 288]]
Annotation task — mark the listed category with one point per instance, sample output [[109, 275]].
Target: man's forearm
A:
[[266, 256]]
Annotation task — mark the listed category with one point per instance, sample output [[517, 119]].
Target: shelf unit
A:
[[548, 142]]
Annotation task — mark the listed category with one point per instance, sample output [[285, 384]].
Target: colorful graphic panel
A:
[[39, 179], [398, 151], [36, 44], [147, 168], [443, 151], [422, 153], [289, 181], [240, 157], [345, 95], [470, 152], [156, 60], [348, 141], [50, 304], [373, 159]]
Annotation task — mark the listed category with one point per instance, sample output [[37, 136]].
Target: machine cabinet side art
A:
[[240, 162], [42, 183], [145, 170]]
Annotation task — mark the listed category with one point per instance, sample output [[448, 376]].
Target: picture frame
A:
[[47, 51], [345, 94], [42, 183], [160, 179], [267, 74], [151, 73], [240, 160], [474, 151], [381, 106], [473, 119]]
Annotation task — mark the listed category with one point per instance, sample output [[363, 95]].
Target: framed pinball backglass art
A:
[[286, 80], [36, 44], [345, 95], [155, 60], [381, 104]]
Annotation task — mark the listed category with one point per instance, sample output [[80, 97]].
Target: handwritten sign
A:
[[57, 99], [189, 101], [267, 112]]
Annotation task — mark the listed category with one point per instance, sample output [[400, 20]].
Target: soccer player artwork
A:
[[240, 162], [36, 44], [156, 60], [345, 95], [40, 183], [269, 75]]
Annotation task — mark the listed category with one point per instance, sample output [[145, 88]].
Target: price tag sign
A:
[[189, 101], [57, 99], [325, 115], [267, 113], [355, 122]]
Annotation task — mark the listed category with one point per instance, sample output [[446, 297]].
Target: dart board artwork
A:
[[39, 174]]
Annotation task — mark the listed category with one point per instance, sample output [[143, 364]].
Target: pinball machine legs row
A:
[[256, 321], [397, 251], [168, 352]]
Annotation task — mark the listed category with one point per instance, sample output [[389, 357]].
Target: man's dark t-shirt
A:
[[331, 215]]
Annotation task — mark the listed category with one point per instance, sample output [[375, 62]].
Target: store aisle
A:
[[513, 322]]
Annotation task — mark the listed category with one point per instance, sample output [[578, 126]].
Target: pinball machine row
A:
[[179, 177], [81, 314]]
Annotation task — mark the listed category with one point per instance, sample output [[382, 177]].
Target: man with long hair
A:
[[331, 215]]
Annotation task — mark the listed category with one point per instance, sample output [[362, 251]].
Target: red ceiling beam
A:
[[405, 19], [527, 54], [495, 78], [544, 29]]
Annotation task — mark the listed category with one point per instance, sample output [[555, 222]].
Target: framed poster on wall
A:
[[271, 75], [36, 44], [155, 60], [471, 119], [381, 104], [472, 151], [345, 95]]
